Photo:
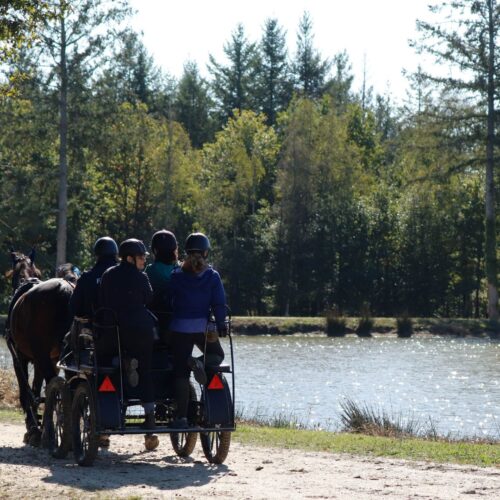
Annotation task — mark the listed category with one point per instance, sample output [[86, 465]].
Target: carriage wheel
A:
[[56, 434], [184, 442], [83, 420], [215, 445]]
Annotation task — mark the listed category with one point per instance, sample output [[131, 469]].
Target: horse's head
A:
[[68, 271], [23, 268]]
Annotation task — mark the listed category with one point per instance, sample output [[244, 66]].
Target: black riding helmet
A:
[[132, 247], [197, 242], [105, 247], [163, 242]]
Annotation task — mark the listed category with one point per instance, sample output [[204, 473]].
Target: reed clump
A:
[[404, 326], [336, 325], [365, 323], [367, 420], [9, 392]]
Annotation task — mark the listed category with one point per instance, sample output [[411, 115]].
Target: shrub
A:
[[365, 323], [335, 323], [404, 326], [493, 328]]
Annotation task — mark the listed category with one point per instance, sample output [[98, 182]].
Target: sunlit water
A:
[[454, 382]]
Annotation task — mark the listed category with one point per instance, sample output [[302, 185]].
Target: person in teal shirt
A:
[[165, 251]]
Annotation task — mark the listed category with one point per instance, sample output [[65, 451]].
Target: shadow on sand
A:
[[112, 471]]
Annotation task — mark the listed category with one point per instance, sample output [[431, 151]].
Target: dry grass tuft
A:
[[9, 391]]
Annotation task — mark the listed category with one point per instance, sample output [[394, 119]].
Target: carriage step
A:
[[101, 369], [219, 368]]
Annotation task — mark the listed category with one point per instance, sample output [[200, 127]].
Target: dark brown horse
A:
[[37, 322]]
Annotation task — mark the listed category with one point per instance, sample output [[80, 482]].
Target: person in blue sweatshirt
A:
[[197, 292]]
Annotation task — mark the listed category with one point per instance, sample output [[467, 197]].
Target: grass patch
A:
[[480, 454]]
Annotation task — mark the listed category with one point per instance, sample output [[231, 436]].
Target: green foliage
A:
[[324, 198], [238, 176]]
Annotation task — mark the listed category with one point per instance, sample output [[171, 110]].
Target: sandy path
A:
[[127, 471]]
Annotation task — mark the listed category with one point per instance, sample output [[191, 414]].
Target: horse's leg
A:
[[45, 368], [37, 382], [21, 369]]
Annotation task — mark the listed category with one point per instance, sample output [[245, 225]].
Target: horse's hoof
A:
[[104, 441], [26, 438], [151, 442], [35, 438]]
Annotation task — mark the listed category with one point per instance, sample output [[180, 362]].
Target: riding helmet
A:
[[105, 247], [132, 247], [197, 242], [163, 242]]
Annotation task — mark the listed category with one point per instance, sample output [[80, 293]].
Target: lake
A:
[[455, 382]]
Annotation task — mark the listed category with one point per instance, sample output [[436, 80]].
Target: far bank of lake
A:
[[282, 325]]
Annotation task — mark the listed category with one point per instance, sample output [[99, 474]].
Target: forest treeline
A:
[[314, 194]]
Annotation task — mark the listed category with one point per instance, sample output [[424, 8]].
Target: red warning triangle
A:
[[216, 383], [107, 385]]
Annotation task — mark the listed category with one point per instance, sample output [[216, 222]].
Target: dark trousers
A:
[[139, 345], [182, 349]]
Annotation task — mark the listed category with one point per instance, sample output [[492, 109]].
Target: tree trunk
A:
[[490, 235], [62, 215], [167, 218]]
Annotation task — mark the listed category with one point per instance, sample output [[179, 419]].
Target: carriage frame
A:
[[93, 399]]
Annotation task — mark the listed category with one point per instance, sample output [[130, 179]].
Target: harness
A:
[[23, 287]]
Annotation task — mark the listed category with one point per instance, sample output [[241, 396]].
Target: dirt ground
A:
[[127, 471]]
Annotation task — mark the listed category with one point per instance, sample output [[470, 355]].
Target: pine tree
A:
[[339, 86], [273, 82], [309, 70], [192, 105], [233, 83]]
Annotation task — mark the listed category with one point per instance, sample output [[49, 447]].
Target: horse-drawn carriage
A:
[[94, 398]]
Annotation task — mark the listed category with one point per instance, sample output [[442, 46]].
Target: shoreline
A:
[[280, 325], [276, 325]]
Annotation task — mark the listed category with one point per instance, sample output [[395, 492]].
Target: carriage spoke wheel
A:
[[56, 435], [215, 445], [183, 443], [83, 413]]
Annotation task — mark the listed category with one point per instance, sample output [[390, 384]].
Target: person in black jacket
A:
[[126, 290], [84, 301]]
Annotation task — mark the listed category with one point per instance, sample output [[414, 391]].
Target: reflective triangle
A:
[[107, 385], [216, 383]]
